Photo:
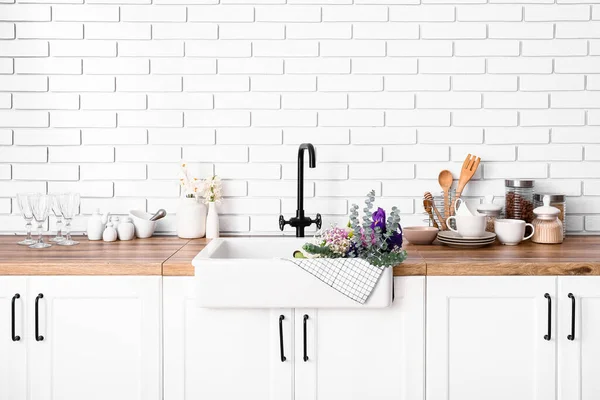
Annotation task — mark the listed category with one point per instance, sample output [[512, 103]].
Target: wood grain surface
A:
[[171, 256], [135, 257]]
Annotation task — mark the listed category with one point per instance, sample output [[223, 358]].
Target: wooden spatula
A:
[[466, 173]]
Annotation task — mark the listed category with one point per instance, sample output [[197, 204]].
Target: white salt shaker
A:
[[110, 233], [126, 230]]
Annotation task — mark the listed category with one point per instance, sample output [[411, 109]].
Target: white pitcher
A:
[[96, 224]]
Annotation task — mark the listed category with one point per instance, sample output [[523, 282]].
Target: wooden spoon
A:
[[445, 180]]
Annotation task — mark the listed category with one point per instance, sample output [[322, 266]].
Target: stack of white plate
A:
[[453, 239]]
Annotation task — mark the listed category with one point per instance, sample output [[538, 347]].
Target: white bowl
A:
[[144, 228]]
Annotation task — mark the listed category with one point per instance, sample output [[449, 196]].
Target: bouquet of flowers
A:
[[212, 189], [190, 184], [376, 240]]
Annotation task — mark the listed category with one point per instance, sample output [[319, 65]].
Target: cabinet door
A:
[[101, 338], [579, 359], [485, 338], [223, 354], [13, 350], [370, 354]]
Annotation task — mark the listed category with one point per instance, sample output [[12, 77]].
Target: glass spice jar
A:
[[548, 228], [556, 200], [492, 213], [519, 199]]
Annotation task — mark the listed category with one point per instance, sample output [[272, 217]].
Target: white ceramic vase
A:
[[191, 218], [212, 221]]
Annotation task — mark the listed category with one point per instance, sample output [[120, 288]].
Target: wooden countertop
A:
[[136, 257], [171, 256]]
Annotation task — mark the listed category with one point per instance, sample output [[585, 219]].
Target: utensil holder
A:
[[438, 200]]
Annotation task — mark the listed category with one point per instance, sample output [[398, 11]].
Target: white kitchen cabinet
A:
[[101, 338], [355, 354], [579, 358], [224, 354], [96, 338], [486, 338], [13, 339]]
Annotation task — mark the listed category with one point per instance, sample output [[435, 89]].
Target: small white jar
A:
[[110, 233], [126, 230]]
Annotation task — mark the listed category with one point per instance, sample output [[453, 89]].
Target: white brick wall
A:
[[105, 97]]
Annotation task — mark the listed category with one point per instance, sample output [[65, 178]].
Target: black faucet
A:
[[300, 221]]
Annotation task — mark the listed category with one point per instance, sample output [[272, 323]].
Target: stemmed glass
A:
[[58, 214], [69, 204], [40, 208], [23, 202]]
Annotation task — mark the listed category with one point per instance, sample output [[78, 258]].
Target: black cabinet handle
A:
[[304, 330], [15, 338], [572, 335], [38, 337], [281, 318], [549, 335]]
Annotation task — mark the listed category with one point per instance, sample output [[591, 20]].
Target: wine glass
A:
[[40, 208], [59, 217], [25, 208], [69, 205]]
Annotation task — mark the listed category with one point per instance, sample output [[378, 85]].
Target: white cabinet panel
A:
[[485, 338], [579, 359], [102, 338], [364, 354], [13, 350], [224, 354]]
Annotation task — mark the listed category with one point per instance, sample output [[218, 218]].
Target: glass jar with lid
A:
[[491, 211], [556, 200], [548, 228], [519, 199]]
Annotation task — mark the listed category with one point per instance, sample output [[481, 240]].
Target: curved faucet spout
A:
[[312, 157]]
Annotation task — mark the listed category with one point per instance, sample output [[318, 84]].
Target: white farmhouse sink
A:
[[250, 273]]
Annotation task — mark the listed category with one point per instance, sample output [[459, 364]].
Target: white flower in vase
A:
[[212, 193], [191, 214]]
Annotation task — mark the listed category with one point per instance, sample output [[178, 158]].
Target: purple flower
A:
[[396, 239], [379, 219]]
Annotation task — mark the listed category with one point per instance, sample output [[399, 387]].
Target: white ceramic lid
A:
[[489, 206], [546, 210]]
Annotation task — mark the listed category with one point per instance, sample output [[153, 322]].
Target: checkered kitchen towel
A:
[[353, 277]]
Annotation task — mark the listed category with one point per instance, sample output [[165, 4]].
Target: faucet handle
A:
[[282, 222], [318, 221]]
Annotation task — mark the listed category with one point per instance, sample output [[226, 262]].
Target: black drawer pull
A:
[[304, 330], [38, 337], [548, 336], [281, 318], [15, 338], [572, 335]]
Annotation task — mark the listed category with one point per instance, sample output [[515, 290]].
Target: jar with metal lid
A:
[[548, 228], [556, 200], [519, 199], [491, 211]]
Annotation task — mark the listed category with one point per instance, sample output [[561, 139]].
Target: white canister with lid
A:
[[548, 227], [126, 230], [491, 211]]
